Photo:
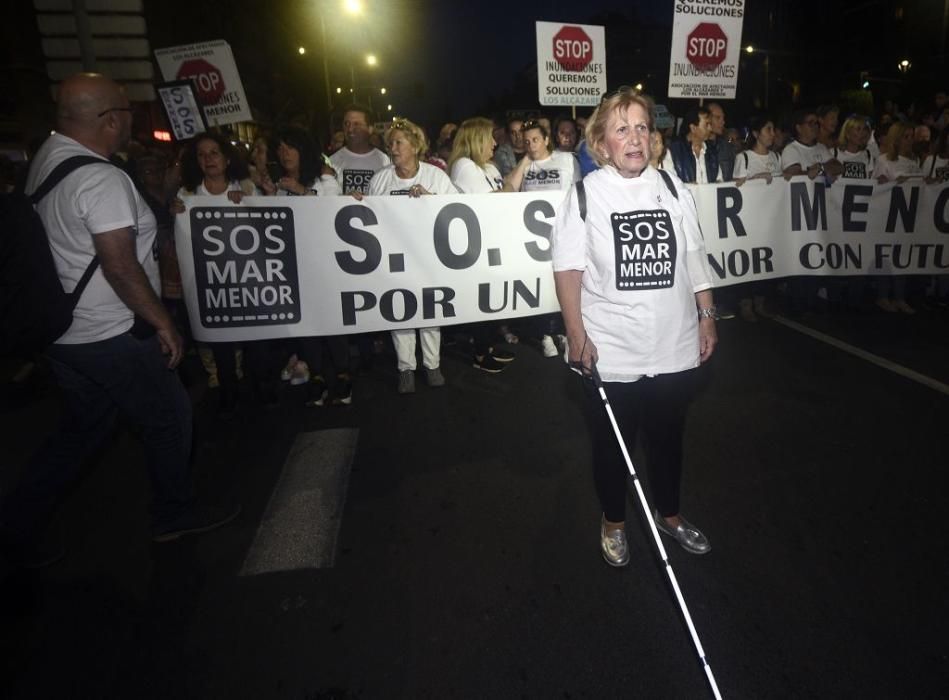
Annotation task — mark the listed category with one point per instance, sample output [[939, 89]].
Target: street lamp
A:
[[371, 60], [750, 48], [301, 50], [904, 65], [382, 91], [353, 7]]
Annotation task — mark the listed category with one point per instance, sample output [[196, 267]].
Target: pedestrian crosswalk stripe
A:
[[301, 524]]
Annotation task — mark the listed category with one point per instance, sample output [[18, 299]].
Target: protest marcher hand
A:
[[582, 354], [417, 191], [708, 338], [176, 206], [235, 196]]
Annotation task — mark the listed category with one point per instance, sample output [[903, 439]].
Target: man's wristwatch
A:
[[708, 312]]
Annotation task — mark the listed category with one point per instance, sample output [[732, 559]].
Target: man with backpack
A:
[[119, 352]]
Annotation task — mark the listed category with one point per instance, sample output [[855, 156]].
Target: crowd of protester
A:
[[524, 152]]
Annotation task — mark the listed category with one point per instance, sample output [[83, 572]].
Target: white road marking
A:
[[301, 524], [864, 355]]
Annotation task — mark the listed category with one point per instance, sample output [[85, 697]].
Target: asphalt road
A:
[[466, 563]]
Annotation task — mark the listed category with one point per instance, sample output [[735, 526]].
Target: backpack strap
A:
[[54, 178], [61, 171], [669, 183], [582, 200]]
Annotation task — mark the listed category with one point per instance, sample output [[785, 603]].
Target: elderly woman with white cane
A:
[[635, 289]]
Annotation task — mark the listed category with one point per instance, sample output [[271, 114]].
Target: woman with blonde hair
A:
[[472, 172], [469, 165], [408, 175], [897, 164]]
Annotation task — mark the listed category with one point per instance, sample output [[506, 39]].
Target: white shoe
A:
[[548, 346]]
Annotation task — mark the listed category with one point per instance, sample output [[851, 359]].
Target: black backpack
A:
[[34, 308]]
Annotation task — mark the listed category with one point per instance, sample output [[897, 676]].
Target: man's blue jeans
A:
[[98, 381]]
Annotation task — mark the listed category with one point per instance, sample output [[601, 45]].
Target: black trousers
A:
[[655, 408]]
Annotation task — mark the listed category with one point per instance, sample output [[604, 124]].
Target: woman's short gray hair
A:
[[617, 101]]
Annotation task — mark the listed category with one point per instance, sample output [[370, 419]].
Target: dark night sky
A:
[[451, 60]]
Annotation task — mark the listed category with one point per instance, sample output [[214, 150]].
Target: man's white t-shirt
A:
[[434, 180], [558, 172], [355, 170], [856, 166], [639, 280], [748, 164], [805, 156], [91, 200], [471, 179]]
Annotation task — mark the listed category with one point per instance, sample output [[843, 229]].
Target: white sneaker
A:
[[548, 346]]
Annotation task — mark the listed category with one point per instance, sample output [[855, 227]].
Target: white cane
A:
[[595, 376]]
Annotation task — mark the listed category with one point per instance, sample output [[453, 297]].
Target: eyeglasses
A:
[[114, 109]]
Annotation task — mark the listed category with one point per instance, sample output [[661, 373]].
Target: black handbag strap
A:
[[54, 178]]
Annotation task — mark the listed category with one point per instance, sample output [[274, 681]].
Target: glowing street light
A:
[[388, 108], [749, 49], [339, 91], [353, 7], [904, 65], [639, 87], [372, 60], [382, 91], [301, 50]]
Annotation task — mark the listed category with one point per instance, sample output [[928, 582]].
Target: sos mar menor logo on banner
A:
[[245, 266]]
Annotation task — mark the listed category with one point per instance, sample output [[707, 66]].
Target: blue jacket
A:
[[684, 160]]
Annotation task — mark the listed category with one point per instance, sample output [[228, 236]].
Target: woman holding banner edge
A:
[[634, 287]]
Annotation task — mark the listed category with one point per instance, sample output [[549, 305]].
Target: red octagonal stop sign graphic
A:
[[207, 78], [573, 49], [706, 46]]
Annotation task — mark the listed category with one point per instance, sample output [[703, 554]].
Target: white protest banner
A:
[[298, 266], [706, 46], [571, 64], [802, 227], [210, 65]]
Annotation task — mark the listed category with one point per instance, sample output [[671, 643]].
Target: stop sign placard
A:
[[573, 49], [706, 46], [207, 78]]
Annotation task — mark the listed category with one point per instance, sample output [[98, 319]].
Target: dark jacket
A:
[[684, 160]]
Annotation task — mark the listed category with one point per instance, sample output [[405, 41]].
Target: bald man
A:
[[121, 350]]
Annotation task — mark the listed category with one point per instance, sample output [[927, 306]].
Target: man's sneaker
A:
[[613, 545], [195, 521], [300, 374], [548, 346], [406, 382], [501, 355], [488, 364], [434, 377], [318, 391], [343, 394]]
